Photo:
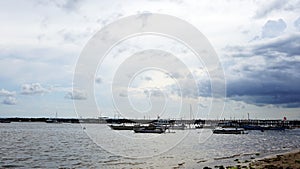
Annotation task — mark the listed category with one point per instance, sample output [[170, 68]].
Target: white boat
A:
[[178, 127], [229, 130]]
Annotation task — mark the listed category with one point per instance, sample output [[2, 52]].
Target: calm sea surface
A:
[[42, 145]]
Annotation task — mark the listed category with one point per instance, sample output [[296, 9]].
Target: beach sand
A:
[[288, 160]]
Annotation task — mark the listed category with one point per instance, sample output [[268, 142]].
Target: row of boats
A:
[[221, 128], [151, 128], [234, 128]]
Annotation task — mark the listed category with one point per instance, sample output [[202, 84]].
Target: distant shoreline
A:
[[212, 122]]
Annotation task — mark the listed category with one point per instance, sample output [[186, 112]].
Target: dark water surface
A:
[[42, 145]]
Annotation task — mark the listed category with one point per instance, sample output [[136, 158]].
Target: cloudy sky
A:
[[257, 42]]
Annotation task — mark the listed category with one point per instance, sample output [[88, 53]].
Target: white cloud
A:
[[297, 24], [273, 28], [33, 88], [269, 6], [7, 93], [76, 94], [9, 97], [10, 100]]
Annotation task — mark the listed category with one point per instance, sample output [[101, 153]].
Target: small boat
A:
[[273, 128], [262, 128], [178, 127], [150, 129], [5, 121], [52, 121], [124, 127], [252, 127], [227, 130], [144, 130], [199, 126]]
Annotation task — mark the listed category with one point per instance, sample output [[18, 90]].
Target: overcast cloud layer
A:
[[258, 44]]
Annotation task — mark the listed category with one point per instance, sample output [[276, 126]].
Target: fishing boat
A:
[[227, 130]]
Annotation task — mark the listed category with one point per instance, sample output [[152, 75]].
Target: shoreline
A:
[[289, 159]]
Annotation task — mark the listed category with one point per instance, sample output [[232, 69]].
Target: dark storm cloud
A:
[[283, 46], [273, 79], [261, 91], [287, 46]]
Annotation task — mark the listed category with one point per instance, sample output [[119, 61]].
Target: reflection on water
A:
[[41, 145]]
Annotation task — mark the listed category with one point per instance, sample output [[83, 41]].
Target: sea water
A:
[[43, 145]]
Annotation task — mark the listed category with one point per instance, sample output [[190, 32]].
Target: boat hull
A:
[[229, 131], [142, 130], [122, 127], [250, 127]]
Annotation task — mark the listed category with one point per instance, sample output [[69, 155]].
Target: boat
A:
[[150, 129], [52, 121], [227, 130], [123, 127], [144, 130], [178, 127], [273, 128], [5, 121], [262, 128], [199, 126]]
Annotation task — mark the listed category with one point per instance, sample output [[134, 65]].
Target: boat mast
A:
[[190, 115]]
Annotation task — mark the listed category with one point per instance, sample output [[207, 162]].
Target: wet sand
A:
[[287, 160]]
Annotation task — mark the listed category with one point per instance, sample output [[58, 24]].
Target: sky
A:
[[257, 44]]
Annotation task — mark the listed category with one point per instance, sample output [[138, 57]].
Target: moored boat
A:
[[124, 127], [227, 130], [150, 129], [52, 121], [199, 126], [262, 128], [178, 127], [5, 121], [144, 130]]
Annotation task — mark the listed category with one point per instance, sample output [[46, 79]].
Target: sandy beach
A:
[[287, 160]]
